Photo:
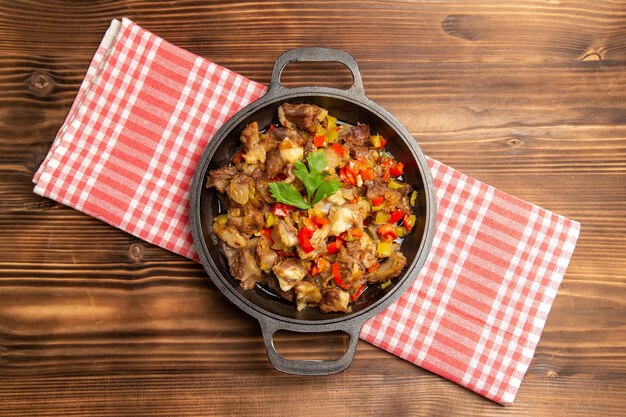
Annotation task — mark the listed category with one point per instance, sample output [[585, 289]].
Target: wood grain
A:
[[529, 96]]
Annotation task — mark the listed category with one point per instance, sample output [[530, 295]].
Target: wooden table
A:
[[529, 96]]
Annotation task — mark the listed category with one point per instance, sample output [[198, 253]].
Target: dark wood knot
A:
[[135, 251], [514, 142], [40, 83], [464, 26], [593, 56]]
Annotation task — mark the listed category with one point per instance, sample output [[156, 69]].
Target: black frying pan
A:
[[272, 312]]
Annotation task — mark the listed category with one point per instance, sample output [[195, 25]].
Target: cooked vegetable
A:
[[384, 249], [397, 169], [358, 292], [377, 201], [396, 216], [315, 210], [409, 222]]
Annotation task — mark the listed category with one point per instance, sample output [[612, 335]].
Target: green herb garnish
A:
[[314, 180]]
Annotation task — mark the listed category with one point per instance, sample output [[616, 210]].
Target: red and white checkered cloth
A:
[[128, 149]]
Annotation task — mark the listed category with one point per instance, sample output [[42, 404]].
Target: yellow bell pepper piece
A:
[[270, 219], [381, 217], [384, 249], [394, 185], [221, 219], [401, 231]]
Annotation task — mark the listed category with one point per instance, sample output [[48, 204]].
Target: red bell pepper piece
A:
[[320, 266], [282, 210], [383, 142], [319, 141], [267, 232], [367, 174], [303, 238], [396, 216], [333, 247], [385, 176], [373, 268], [238, 157], [358, 292], [346, 176], [388, 162], [339, 150], [309, 223], [320, 221], [377, 201], [397, 170], [408, 222], [387, 233], [353, 168], [337, 276]]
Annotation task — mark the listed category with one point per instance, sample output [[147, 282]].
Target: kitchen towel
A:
[[128, 149]]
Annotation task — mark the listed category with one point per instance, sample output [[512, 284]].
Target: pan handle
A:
[[309, 367], [315, 54]]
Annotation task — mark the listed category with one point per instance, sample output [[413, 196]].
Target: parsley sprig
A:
[[315, 182]]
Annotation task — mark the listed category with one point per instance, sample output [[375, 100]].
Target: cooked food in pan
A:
[[313, 210]]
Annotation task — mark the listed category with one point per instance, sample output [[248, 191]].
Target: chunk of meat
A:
[[250, 221], [341, 219], [263, 191], [243, 266], [350, 268], [345, 217], [394, 199], [279, 134], [391, 268], [240, 188], [250, 135], [290, 151], [305, 116], [254, 171], [230, 235], [375, 188], [253, 146], [309, 147], [364, 152], [219, 178], [356, 135], [337, 199], [272, 283], [334, 299], [274, 164], [287, 233], [349, 192], [267, 257], [306, 293], [333, 160], [363, 249], [289, 271]]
